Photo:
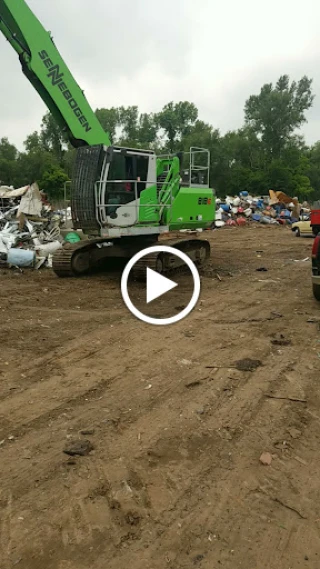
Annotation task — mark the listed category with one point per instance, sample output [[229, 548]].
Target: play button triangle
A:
[[157, 285]]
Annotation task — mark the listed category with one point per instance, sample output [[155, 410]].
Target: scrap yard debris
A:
[[29, 227], [275, 209]]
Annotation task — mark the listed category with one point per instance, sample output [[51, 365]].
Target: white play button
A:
[[157, 285]]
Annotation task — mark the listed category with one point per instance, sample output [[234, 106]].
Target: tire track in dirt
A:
[[197, 473], [163, 478], [196, 519]]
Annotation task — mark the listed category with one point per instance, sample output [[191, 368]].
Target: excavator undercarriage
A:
[[77, 259]]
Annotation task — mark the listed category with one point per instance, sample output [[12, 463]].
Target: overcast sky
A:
[[147, 53]]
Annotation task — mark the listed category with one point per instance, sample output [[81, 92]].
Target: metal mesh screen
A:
[[87, 169]]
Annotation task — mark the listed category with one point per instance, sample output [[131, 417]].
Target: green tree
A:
[[30, 167], [68, 161], [200, 134], [129, 122], [177, 120], [33, 143], [314, 169], [148, 130], [278, 111], [291, 179], [7, 172], [280, 176], [266, 153], [53, 139], [237, 161], [8, 162], [7, 151], [53, 180], [109, 120]]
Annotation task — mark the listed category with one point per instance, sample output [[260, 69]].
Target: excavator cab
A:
[[123, 178], [120, 188], [107, 187]]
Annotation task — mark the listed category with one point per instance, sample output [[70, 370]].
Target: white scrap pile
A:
[[29, 229]]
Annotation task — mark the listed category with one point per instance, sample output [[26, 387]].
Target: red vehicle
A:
[[316, 268], [315, 221]]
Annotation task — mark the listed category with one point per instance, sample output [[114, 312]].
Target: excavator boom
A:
[[46, 70], [122, 198]]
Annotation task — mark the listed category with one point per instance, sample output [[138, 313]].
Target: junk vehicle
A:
[[123, 199], [316, 268], [302, 228], [315, 218], [315, 226]]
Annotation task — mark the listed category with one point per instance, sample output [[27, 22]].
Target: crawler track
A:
[[77, 259], [197, 249]]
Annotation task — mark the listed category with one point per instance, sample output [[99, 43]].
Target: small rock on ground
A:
[[266, 458], [87, 432], [78, 447], [247, 364], [294, 433]]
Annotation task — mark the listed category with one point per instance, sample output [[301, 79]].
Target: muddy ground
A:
[[174, 480]]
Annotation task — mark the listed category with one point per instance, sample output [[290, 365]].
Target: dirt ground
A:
[[174, 480]]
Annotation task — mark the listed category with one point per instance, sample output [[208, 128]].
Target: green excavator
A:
[[123, 199]]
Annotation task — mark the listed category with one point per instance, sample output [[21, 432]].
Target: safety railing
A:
[[194, 166], [199, 166]]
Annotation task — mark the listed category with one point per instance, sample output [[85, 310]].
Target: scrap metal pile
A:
[[276, 208], [29, 228]]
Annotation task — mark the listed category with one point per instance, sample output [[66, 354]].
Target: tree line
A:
[[267, 152]]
